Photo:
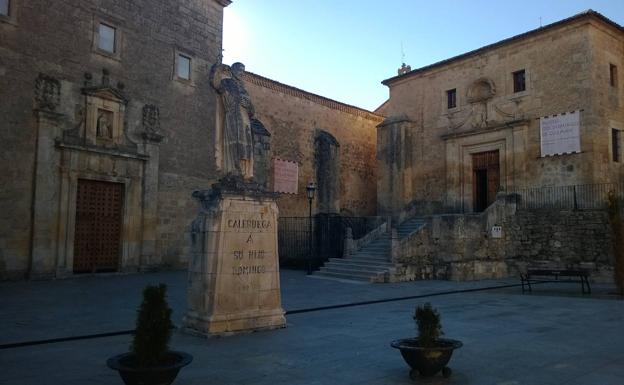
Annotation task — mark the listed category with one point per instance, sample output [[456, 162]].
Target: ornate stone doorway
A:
[[486, 179], [97, 245]]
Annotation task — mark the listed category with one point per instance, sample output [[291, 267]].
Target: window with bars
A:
[[616, 144], [519, 81], [451, 98]]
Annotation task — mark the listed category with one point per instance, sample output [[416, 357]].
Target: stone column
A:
[[43, 260]]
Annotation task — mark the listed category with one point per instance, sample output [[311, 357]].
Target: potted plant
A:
[[150, 362], [427, 354]]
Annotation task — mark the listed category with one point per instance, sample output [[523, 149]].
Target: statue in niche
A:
[[105, 124], [235, 127]]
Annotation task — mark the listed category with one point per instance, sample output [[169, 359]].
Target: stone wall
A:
[[462, 247], [296, 120], [567, 69]]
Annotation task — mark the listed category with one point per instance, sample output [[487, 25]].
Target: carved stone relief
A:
[[47, 93]]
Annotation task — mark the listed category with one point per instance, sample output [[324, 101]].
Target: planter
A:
[[158, 375], [427, 361]]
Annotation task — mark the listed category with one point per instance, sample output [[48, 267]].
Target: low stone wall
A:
[[465, 247]]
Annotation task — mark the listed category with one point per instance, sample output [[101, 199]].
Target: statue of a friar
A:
[[234, 123]]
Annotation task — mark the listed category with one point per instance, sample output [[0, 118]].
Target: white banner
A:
[[560, 134]]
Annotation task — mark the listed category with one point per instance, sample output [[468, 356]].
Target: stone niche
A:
[[234, 283], [327, 159]]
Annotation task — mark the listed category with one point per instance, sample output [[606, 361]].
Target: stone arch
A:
[[327, 164]]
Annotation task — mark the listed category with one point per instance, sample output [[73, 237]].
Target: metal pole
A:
[[310, 237]]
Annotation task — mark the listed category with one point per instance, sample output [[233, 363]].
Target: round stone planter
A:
[[427, 361], [164, 374]]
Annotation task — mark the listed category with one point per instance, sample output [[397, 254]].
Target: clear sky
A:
[[343, 49]]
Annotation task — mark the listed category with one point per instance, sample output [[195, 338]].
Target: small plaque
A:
[[497, 231], [285, 176]]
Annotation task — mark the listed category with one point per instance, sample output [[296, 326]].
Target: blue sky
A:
[[343, 49]]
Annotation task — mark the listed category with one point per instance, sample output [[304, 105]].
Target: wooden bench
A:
[[571, 274]]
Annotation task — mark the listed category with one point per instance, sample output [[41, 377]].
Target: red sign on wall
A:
[[285, 176]]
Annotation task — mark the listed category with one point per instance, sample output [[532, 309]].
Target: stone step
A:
[[357, 266], [362, 261], [349, 271], [363, 254], [342, 276]]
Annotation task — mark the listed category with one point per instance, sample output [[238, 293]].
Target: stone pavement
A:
[[553, 336]]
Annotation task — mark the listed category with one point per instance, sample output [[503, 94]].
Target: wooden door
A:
[[486, 179], [97, 240]]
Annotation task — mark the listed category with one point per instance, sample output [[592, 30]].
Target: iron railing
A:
[[574, 197], [297, 247]]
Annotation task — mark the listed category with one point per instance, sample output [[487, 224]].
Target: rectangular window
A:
[[106, 38], [616, 143], [184, 67], [519, 81], [4, 7], [613, 80], [451, 98]]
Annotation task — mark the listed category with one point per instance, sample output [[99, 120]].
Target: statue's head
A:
[[237, 69]]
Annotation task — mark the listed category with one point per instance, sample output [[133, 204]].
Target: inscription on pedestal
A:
[[234, 276]]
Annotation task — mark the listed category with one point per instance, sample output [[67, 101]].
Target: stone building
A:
[[110, 124], [478, 136], [460, 130]]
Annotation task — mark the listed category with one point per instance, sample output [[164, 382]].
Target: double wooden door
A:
[[486, 179], [97, 240]]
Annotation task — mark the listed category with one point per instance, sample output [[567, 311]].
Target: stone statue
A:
[[235, 125], [104, 125]]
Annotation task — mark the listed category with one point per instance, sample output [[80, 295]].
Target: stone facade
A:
[[328, 139], [428, 144], [76, 112]]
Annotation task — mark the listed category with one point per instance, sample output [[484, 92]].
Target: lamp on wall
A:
[[310, 189]]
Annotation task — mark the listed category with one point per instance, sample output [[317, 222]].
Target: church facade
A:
[[111, 122], [460, 131]]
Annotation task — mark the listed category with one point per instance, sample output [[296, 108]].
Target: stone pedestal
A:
[[234, 283]]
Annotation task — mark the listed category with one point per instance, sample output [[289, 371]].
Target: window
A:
[[106, 38], [4, 7], [616, 143], [184, 67], [451, 98], [519, 81], [613, 80]]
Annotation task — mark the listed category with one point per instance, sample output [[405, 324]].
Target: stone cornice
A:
[[301, 94], [497, 127], [587, 15], [224, 3]]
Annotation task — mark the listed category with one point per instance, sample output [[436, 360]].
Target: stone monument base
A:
[[233, 282], [233, 323]]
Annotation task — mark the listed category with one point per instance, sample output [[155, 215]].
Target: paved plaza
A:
[[553, 336]]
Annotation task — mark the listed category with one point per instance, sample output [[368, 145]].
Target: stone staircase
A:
[[371, 261]]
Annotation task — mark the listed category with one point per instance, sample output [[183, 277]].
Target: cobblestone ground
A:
[[553, 336]]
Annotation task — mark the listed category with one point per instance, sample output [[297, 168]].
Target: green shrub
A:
[[429, 326], [617, 231], [153, 327]]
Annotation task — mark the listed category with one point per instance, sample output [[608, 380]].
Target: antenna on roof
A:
[[402, 53], [540, 22], [404, 67]]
